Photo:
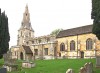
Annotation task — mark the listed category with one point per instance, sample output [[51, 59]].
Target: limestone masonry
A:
[[72, 43]]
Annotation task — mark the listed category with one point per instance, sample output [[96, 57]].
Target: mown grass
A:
[[55, 66]]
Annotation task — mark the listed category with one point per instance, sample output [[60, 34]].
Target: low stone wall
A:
[[48, 57], [10, 67]]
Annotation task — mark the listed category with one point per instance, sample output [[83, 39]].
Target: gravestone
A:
[[27, 64], [97, 54], [98, 62], [70, 71], [3, 70], [82, 70], [88, 68], [91, 67], [9, 63]]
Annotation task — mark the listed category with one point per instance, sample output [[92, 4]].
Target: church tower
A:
[[25, 32]]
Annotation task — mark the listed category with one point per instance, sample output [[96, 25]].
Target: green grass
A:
[[56, 66], [1, 62]]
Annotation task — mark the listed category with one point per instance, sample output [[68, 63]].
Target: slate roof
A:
[[75, 31], [27, 49]]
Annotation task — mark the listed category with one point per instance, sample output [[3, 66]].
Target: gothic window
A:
[[72, 45], [21, 33], [48, 39], [46, 51], [30, 34], [39, 40], [15, 53], [62, 47], [26, 14], [27, 43], [32, 42], [89, 44]]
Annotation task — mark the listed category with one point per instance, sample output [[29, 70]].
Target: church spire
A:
[[25, 32], [26, 19], [26, 15]]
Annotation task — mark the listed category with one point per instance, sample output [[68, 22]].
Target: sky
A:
[[46, 15]]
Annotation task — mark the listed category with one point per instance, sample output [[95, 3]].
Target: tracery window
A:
[[62, 47], [72, 45], [89, 44]]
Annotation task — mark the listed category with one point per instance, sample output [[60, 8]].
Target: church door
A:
[[21, 56], [82, 54]]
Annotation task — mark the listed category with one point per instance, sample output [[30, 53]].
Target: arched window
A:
[[72, 45], [89, 44], [62, 47], [21, 33], [32, 42]]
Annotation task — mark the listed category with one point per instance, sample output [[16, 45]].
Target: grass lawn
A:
[[56, 66]]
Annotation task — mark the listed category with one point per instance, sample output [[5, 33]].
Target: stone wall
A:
[[80, 45]]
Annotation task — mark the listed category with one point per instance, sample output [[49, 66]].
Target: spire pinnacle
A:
[[26, 15], [26, 8]]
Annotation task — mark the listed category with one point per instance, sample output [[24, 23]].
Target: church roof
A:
[[27, 49], [75, 31]]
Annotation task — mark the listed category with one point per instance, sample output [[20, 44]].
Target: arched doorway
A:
[[82, 54], [21, 56]]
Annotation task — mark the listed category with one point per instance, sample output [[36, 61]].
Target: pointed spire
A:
[[26, 15], [26, 9]]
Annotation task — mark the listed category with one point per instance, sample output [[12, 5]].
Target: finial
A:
[[26, 8]]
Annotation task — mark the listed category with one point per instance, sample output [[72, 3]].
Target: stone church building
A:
[[71, 43]]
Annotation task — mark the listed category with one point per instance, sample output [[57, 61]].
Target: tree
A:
[[55, 32], [4, 34], [96, 16]]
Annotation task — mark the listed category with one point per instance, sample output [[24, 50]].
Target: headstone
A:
[[9, 63], [82, 70], [98, 62], [3, 70], [97, 54], [27, 64], [91, 67], [70, 71], [87, 68]]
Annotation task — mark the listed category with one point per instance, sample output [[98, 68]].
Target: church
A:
[[71, 43]]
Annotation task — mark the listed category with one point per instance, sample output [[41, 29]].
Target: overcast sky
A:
[[46, 15]]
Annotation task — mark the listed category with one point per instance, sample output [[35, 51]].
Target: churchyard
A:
[[54, 66]]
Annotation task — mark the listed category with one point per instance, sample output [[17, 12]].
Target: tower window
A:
[[27, 43], [32, 42], [26, 14]]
